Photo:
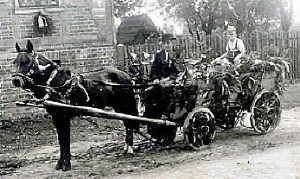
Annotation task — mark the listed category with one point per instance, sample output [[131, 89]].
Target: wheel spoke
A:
[[259, 108]]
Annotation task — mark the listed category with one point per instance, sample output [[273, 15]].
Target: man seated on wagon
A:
[[163, 66], [235, 49], [163, 72]]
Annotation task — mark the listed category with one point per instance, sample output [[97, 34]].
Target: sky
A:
[[297, 11]]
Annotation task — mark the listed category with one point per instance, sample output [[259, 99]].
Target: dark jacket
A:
[[162, 68]]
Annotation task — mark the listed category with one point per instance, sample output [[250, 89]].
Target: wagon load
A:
[[252, 89], [267, 74]]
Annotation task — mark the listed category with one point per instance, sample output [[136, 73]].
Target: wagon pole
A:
[[90, 111], [29, 104]]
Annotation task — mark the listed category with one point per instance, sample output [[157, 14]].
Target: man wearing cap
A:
[[163, 66], [235, 48], [163, 72]]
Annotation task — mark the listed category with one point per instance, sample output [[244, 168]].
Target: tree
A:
[[199, 15], [124, 7], [247, 15], [286, 14], [263, 13]]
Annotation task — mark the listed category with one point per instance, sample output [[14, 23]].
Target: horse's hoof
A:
[[130, 150], [125, 149], [58, 165], [129, 155], [66, 165]]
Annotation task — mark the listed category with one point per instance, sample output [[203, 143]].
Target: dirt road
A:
[[278, 157], [97, 153]]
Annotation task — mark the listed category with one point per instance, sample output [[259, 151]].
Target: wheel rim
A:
[[266, 113]]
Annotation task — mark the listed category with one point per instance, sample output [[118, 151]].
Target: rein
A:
[[67, 82], [22, 76], [136, 86]]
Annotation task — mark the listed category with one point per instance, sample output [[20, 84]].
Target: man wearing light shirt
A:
[[235, 49]]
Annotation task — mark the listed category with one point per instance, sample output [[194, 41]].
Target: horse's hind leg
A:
[[130, 127], [128, 140], [62, 124], [127, 105]]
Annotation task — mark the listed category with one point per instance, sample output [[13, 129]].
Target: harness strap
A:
[[235, 48], [76, 81]]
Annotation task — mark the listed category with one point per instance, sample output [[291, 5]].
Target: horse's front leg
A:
[[61, 122]]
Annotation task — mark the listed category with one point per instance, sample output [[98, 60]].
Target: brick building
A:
[[79, 32]]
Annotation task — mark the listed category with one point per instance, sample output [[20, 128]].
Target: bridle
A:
[[32, 70], [32, 65]]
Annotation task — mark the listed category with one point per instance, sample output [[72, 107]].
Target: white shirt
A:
[[235, 44]]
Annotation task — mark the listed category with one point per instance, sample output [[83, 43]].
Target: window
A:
[[38, 3], [33, 6]]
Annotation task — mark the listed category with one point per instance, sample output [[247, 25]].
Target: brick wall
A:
[[82, 38]]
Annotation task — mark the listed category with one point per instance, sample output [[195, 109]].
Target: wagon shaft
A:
[[89, 111]]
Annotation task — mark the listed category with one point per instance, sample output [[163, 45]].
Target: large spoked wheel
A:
[[265, 112], [199, 128]]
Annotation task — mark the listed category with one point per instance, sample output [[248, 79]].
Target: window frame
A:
[[35, 9]]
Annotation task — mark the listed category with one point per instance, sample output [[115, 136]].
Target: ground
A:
[[29, 149]]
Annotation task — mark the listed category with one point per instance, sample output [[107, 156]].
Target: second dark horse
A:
[[120, 98]]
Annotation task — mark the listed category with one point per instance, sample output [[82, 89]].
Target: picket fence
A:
[[279, 44]]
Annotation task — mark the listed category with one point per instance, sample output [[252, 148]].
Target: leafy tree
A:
[[124, 7], [262, 13], [199, 15], [286, 14], [247, 15]]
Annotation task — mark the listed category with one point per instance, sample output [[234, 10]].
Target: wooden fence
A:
[[280, 44]]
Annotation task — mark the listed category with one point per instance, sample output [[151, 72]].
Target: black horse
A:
[[120, 98]]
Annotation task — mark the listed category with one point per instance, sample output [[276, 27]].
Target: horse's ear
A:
[[29, 46], [18, 48]]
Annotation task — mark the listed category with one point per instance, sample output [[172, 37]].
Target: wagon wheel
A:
[[266, 112], [199, 129]]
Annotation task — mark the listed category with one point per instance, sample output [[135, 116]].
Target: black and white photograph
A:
[[150, 89]]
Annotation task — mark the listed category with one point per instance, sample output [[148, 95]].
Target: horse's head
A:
[[24, 64], [34, 70]]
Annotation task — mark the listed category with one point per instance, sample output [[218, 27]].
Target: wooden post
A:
[[121, 57], [297, 54]]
